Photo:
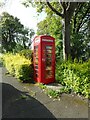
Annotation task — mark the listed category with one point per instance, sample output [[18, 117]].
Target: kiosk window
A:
[[36, 55], [36, 60], [48, 64]]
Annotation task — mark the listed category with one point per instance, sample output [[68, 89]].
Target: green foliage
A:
[[42, 86], [53, 28], [24, 72], [9, 27], [53, 93], [74, 76], [14, 35], [1, 60], [50, 92], [80, 26], [18, 66], [27, 53], [80, 32]]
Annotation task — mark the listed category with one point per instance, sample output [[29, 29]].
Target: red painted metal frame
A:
[[42, 41]]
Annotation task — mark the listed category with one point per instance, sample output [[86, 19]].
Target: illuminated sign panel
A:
[[47, 40]]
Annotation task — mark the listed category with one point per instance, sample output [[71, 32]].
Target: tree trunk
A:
[[66, 38], [66, 16]]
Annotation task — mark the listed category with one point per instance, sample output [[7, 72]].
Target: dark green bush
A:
[[26, 53], [25, 72], [74, 76]]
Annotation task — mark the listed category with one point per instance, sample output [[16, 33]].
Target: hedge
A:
[[75, 77], [18, 66]]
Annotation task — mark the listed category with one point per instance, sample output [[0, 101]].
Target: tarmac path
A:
[[22, 100]]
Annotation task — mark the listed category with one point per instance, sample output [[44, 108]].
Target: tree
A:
[[24, 39], [81, 16], [68, 9], [80, 32], [65, 10], [54, 29], [9, 28], [13, 33]]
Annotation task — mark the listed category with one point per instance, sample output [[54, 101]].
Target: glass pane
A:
[[48, 74], [36, 66], [48, 65], [36, 60], [36, 74], [48, 47]]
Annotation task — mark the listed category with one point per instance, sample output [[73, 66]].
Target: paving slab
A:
[[54, 86]]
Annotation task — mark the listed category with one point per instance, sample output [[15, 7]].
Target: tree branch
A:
[[63, 5], [83, 23], [79, 8], [71, 8], [54, 10], [82, 19]]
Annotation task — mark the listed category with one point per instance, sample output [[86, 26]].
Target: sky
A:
[[28, 16]]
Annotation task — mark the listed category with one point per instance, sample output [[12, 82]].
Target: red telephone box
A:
[[44, 59]]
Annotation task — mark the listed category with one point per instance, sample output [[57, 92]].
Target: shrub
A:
[[24, 72], [74, 76], [1, 60], [19, 66], [26, 53], [8, 63]]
